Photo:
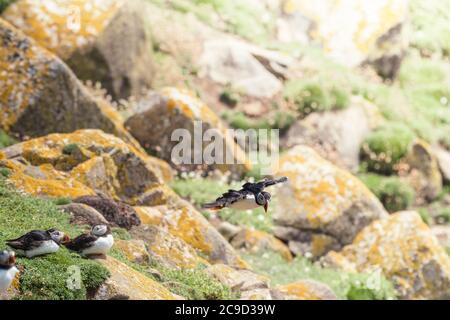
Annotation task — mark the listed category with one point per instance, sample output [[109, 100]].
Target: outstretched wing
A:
[[258, 187], [229, 197], [29, 240], [81, 242]]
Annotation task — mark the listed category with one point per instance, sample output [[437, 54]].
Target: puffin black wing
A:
[[81, 242], [229, 197], [29, 240], [258, 187]]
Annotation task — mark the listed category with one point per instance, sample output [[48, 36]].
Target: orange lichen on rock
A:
[[307, 290], [405, 250], [134, 250], [62, 26]]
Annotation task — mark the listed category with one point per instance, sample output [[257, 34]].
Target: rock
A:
[[232, 62], [256, 241], [160, 114], [321, 200], [442, 233], [443, 159], [424, 175], [104, 41], [83, 163], [82, 214], [249, 284], [330, 135], [41, 94], [166, 249], [307, 290], [127, 283], [134, 250], [182, 221], [228, 230], [406, 252], [117, 213], [371, 32]]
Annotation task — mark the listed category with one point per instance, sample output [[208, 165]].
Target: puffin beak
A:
[[65, 239], [266, 206], [12, 259]]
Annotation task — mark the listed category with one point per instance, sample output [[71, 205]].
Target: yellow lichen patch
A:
[[320, 244], [62, 26], [306, 290], [51, 185], [150, 215], [127, 282], [320, 191], [404, 249], [23, 67], [134, 250], [258, 241]]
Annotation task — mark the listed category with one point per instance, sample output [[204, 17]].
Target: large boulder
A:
[[351, 31], [41, 95], [83, 163], [330, 134], [323, 206], [103, 41], [443, 159], [126, 283], [183, 222], [159, 115], [405, 250]]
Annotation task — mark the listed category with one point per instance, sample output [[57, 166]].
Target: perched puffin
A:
[[97, 242], [251, 196], [38, 242], [8, 269]]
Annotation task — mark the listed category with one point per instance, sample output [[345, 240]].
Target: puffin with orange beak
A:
[[38, 242], [8, 269], [251, 196]]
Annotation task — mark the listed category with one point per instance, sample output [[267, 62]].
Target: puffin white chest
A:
[[46, 247], [246, 203], [6, 278], [100, 246]]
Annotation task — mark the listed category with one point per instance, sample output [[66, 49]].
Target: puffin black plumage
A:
[[8, 269], [38, 242], [97, 242], [252, 195]]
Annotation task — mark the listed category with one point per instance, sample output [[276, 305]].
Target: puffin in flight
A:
[[251, 196], [38, 242], [97, 242], [8, 269]]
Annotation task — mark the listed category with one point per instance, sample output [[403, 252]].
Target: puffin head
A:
[[58, 236], [7, 258], [100, 230], [263, 199]]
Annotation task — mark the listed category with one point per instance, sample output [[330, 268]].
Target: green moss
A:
[[121, 233], [5, 172], [5, 140], [70, 149], [192, 284], [345, 285], [386, 146], [45, 277], [281, 120], [393, 193], [200, 191], [316, 96], [62, 201], [425, 215]]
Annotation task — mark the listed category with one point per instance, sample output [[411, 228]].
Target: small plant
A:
[[230, 97], [5, 172], [62, 201], [425, 215], [444, 215], [5, 140], [385, 147], [393, 193], [69, 149]]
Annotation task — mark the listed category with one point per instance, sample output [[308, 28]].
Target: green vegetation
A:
[[4, 172], [230, 97], [5, 140], [70, 149], [4, 4], [393, 193], [345, 285], [193, 284], [425, 215], [200, 191], [44, 277], [278, 120], [385, 147], [62, 201], [316, 96]]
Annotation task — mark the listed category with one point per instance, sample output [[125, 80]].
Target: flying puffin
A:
[[38, 242], [251, 196], [8, 269], [97, 242]]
